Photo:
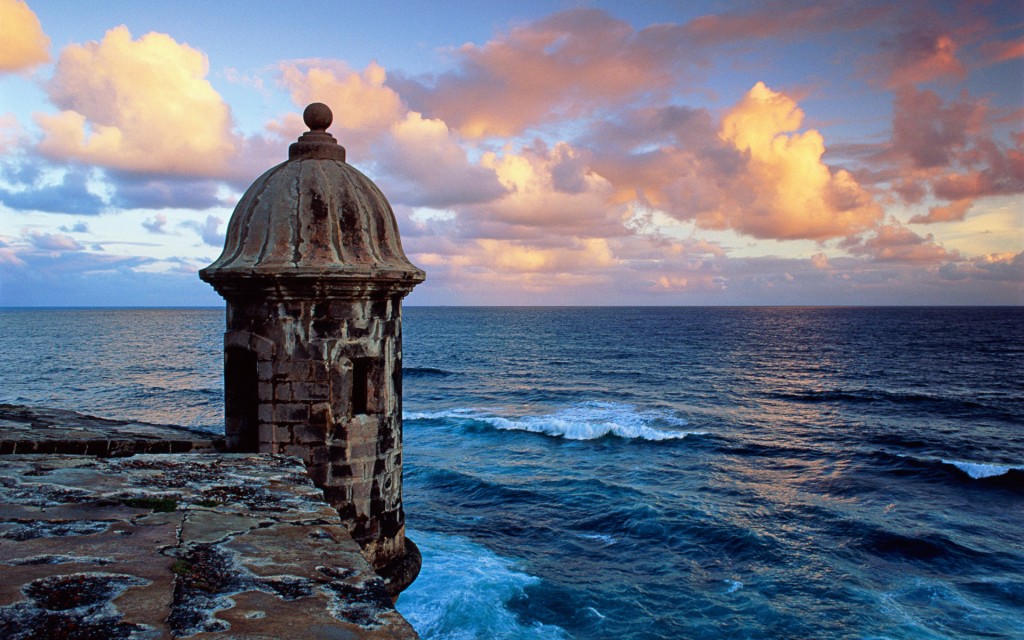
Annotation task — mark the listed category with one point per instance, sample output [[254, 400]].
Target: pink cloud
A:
[[922, 56], [893, 242], [25, 45], [929, 132], [1004, 50], [138, 106], [565, 65], [952, 212], [948, 148], [782, 20]]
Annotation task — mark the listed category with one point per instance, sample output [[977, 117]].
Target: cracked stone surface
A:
[[179, 546]]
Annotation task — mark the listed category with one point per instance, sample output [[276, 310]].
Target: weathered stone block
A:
[[282, 392], [309, 434], [291, 412], [311, 391]]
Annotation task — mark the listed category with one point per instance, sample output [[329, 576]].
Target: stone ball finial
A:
[[318, 116]]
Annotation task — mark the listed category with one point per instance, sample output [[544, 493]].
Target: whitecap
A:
[[734, 585], [581, 421], [979, 470], [463, 590], [439, 415], [600, 537]]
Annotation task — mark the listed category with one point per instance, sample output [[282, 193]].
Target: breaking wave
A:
[[464, 590], [981, 470], [581, 421]]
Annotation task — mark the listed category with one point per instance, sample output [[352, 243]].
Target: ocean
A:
[[636, 473]]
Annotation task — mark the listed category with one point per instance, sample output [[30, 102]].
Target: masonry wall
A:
[[326, 387]]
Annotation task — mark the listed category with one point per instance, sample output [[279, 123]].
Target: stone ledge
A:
[[179, 546], [42, 431]]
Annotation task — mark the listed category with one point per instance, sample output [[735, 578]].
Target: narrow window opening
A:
[[241, 399], [361, 371]]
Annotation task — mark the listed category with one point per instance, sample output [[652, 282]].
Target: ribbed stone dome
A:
[[313, 218]]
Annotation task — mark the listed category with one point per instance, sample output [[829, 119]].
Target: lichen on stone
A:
[[78, 606]]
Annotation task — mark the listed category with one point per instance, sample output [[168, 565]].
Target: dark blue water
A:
[[654, 473]]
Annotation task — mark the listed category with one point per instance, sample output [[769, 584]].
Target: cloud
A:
[[419, 160], [919, 56], [1003, 50], [71, 195], [364, 107], [952, 212], [930, 133], [790, 193], [10, 132], [427, 167], [893, 242], [155, 224], [781, 20], [820, 261], [133, 191], [1007, 267], [25, 45], [207, 230], [948, 148], [565, 65], [52, 241], [79, 227], [534, 205], [140, 106]]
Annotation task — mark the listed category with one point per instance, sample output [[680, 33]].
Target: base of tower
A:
[[402, 571]]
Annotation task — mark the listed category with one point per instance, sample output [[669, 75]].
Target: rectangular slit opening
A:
[[362, 368]]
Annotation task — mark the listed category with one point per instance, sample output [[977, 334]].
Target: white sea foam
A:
[[581, 421], [734, 585], [463, 590], [979, 470], [599, 537]]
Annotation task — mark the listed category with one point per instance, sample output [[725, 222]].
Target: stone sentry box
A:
[[314, 275]]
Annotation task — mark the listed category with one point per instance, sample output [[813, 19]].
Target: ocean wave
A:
[[734, 585], [1009, 476], [880, 396], [581, 421], [981, 470], [416, 372], [463, 592], [604, 538]]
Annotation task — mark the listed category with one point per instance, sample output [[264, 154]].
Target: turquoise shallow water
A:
[[654, 473]]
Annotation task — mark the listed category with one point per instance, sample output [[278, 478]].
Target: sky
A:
[[535, 153]]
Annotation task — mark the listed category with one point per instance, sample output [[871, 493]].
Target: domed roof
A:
[[312, 218]]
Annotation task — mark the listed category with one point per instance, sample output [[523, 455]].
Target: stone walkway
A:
[[179, 546]]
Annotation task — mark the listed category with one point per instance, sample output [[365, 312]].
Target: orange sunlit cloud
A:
[[362, 104], [792, 193], [138, 105], [541, 199], [25, 45]]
